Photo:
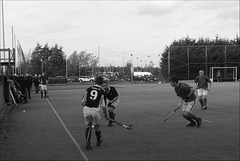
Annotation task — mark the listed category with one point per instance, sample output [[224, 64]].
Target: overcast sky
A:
[[141, 28]]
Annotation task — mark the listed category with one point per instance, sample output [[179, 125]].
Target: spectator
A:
[[36, 81], [29, 82]]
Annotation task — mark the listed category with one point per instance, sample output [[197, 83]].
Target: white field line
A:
[[70, 135]]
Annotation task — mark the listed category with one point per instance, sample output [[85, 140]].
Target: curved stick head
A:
[[130, 127]]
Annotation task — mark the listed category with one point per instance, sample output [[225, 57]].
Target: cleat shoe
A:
[[191, 124], [205, 107], [99, 142], [88, 146], [199, 122], [110, 125]]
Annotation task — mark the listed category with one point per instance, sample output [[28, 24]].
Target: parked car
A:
[[137, 78], [126, 78], [152, 78], [113, 78], [72, 79], [105, 78], [85, 79]]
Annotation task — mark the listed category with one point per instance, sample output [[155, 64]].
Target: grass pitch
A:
[[145, 106]]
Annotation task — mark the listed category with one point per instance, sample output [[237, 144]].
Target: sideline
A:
[[70, 135]]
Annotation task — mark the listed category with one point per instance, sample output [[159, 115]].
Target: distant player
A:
[[187, 100], [93, 102], [202, 82], [112, 99], [44, 82], [218, 75]]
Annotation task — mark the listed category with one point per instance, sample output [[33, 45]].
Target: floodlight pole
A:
[[206, 60], [188, 60], [66, 69], [169, 62]]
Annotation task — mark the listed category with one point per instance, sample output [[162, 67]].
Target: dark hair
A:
[[174, 79], [99, 80]]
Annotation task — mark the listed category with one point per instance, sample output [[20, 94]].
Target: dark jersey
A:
[[112, 93], [43, 80], [94, 96], [36, 81], [29, 82], [183, 91], [202, 82]]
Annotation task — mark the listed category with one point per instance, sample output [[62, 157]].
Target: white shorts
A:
[[91, 116], [43, 87], [202, 92], [188, 106]]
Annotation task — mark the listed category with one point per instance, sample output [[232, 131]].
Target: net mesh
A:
[[223, 74]]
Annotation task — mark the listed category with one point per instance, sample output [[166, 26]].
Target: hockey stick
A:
[[123, 125], [172, 112]]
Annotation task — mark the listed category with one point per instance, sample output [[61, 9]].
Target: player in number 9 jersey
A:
[[93, 102]]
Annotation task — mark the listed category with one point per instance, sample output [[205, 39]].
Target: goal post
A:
[[227, 74]]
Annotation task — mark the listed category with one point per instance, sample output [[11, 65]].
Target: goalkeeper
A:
[[112, 99]]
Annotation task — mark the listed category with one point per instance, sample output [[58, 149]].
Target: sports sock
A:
[[98, 135], [189, 119], [193, 117], [41, 94], [201, 102], [111, 116], [205, 101], [45, 93], [88, 133]]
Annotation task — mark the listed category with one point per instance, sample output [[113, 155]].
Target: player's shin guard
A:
[[189, 119], [88, 133], [99, 137], [205, 101], [112, 116], [193, 117], [201, 102], [45, 94], [41, 94]]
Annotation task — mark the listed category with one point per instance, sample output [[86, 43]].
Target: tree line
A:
[[54, 62], [182, 58], [185, 57]]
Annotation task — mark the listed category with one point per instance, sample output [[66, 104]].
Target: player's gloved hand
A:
[[107, 117], [110, 109], [186, 98], [109, 104]]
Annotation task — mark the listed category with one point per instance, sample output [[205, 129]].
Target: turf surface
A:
[[40, 135]]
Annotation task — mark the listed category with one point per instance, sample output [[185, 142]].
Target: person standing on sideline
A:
[[112, 99], [22, 85], [44, 82], [40, 84], [36, 82], [93, 102], [202, 82], [29, 82], [187, 100], [218, 76]]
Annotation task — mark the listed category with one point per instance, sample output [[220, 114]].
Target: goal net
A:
[[223, 74]]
